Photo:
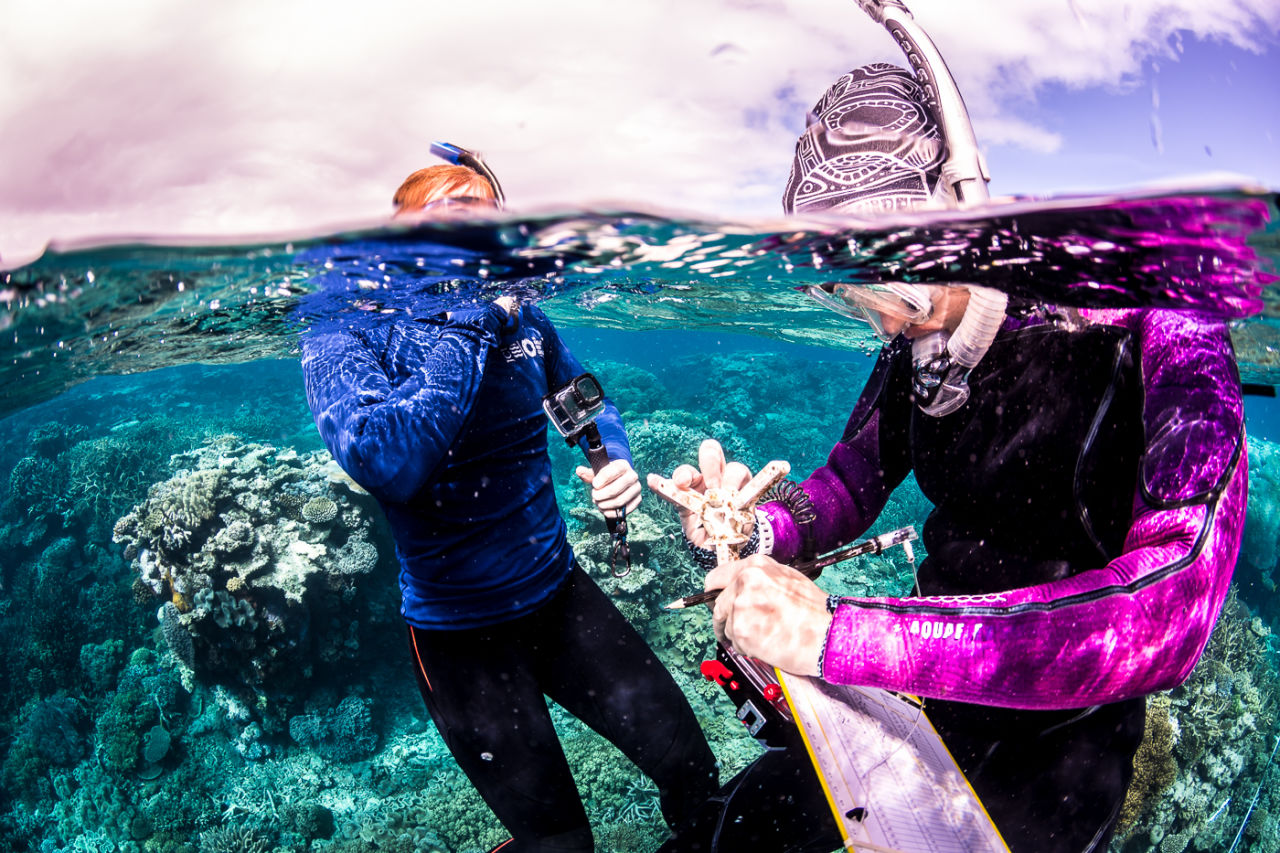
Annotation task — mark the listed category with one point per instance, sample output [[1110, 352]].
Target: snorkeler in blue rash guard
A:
[[440, 418]]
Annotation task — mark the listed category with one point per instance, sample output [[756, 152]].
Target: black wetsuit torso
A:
[[1035, 486], [1032, 481]]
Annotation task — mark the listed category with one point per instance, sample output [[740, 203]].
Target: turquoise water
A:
[[152, 389]]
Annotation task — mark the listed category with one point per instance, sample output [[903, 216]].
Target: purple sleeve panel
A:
[[847, 493], [1193, 409], [1134, 626], [1131, 628]]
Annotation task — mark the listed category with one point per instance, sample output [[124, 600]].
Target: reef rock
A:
[[256, 553]]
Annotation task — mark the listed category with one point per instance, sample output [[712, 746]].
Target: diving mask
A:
[[887, 308]]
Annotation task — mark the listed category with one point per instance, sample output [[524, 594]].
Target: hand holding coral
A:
[[713, 472]]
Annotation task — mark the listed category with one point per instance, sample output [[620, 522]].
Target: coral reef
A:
[[319, 510], [255, 552], [1154, 768], [1258, 571], [101, 662], [50, 736], [344, 733], [1198, 767], [267, 704], [233, 839]]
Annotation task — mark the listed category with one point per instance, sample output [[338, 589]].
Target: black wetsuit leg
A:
[[775, 805], [605, 674], [484, 689], [482, 694]]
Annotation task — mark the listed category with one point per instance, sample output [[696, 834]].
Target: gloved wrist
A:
[[833, 604]]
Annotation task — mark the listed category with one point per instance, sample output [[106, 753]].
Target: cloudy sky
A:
[[238, 117]]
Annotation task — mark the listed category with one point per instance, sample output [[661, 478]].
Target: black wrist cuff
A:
[[705, 558]]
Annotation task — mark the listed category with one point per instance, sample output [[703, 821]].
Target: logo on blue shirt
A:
[[530, 347]]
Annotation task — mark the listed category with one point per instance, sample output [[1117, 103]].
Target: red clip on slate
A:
[[714, 670]]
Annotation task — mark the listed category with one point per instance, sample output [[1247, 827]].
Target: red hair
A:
[[437, 182]]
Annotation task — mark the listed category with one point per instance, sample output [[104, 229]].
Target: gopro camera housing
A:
[[575, 405]]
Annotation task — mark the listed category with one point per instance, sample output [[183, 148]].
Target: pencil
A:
[[813, 568]]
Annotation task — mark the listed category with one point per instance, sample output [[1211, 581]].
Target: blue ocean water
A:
[[153, 401]]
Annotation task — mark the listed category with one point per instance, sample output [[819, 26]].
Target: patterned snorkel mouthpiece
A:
[[871, 146]]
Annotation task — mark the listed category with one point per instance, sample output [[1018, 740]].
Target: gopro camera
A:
[[575, 405], [572, 410]]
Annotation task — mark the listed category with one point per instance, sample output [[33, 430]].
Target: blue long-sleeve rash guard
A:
[[441, 420]]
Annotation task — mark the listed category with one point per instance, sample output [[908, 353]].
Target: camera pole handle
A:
[[598, 455], [593, 445]]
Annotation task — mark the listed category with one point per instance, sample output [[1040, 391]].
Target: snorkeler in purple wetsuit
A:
[[1088, 476], [439, 415]]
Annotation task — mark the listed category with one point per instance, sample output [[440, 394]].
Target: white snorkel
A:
[[964, 172], [842, 163], [942, 362]]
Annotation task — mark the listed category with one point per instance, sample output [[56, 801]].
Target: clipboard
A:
[[889, 779]]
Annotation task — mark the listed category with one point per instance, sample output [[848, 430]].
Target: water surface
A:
[[151, 388]]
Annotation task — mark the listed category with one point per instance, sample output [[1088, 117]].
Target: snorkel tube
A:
[[964, 172], [473, 161], [942, 362]]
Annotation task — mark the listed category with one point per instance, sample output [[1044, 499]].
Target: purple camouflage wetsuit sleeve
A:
[[1133, 626]]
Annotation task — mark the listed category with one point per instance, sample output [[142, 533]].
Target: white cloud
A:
[[242, 116]]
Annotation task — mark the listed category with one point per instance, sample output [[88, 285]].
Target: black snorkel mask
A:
[[473, 161]]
